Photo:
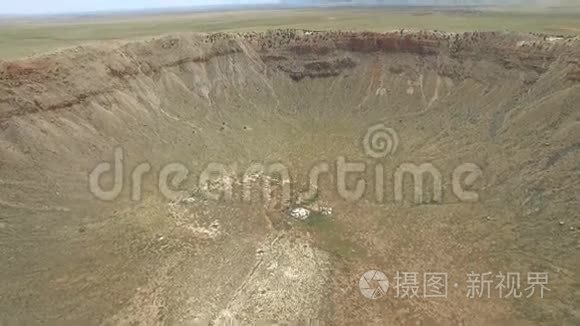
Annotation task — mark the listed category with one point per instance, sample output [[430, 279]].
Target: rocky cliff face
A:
[[31, 84]]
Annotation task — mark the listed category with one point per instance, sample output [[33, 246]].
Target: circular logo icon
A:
[[380, 141], [373, 285]]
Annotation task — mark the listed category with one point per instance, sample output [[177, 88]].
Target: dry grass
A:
[[25, 38]]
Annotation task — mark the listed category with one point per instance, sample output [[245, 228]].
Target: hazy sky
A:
[[61, 6], [66, 6]]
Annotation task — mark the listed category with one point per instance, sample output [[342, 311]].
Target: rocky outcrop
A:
[[61, 80]]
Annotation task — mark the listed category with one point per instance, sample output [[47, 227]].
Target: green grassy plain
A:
[[24, 38]]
